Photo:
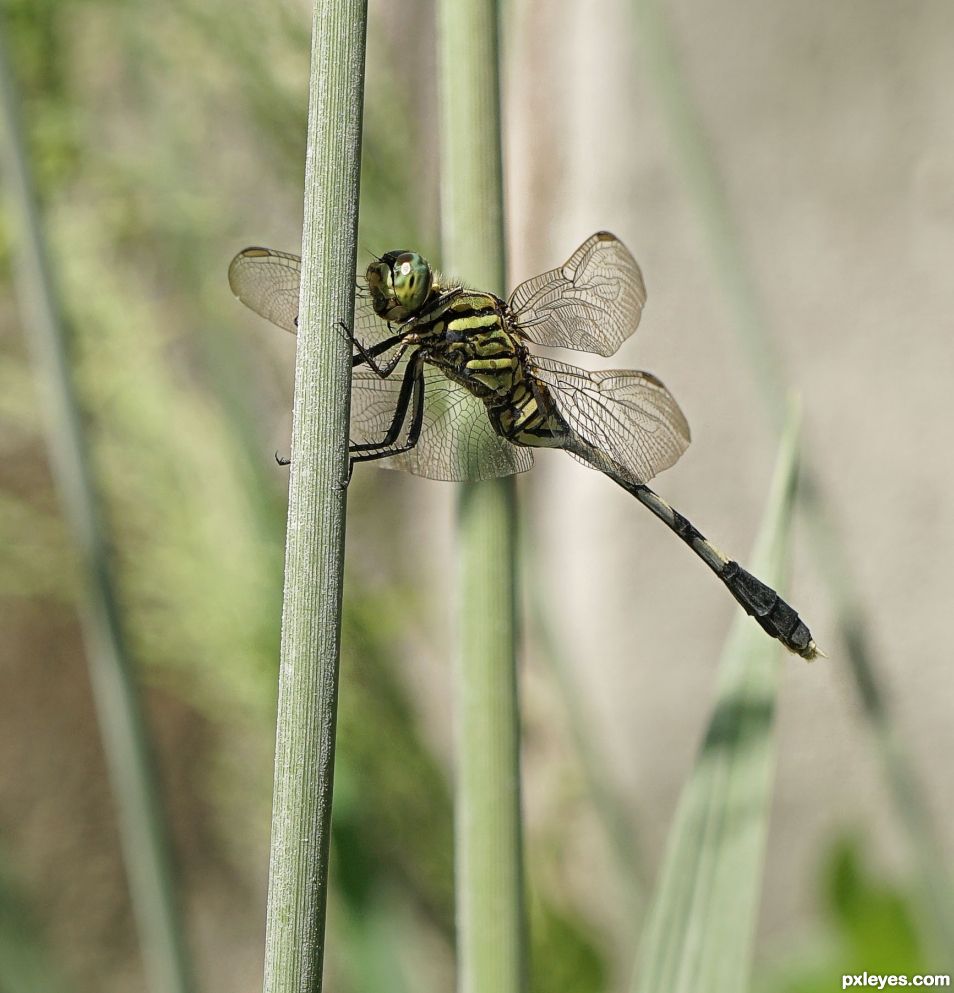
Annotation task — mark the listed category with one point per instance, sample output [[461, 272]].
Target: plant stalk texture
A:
[[314, 555]]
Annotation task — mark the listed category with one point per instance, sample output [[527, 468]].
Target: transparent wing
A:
[[592, 303], [268, 281], [628, 417], [457, 441]]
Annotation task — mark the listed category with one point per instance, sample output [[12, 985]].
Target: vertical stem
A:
[[488, 835], [490, 904], [314, 555], [143, 830]]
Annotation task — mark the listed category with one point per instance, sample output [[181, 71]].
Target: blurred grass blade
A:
[[704, 184], [491, 930], [125, 743], [314, 552], [699, 931]]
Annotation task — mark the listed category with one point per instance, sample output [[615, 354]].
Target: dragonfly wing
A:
[[457, 441], [268, 282], [626, 416], [592, 303]]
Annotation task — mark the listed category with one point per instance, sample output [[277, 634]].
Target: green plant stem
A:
[[491, 931], [704, 184], [314, 554], [701, 924], [143, 830]]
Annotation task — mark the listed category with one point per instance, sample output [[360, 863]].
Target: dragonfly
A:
[[445, 384]]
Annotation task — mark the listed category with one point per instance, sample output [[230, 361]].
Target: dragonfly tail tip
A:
[[812, 652]]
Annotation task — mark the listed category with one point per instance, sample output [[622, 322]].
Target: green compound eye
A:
[[412, 280]]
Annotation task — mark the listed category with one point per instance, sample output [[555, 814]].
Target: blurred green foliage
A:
[[871, 926]]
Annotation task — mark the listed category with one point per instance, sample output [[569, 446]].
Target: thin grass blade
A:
[[700, 927]]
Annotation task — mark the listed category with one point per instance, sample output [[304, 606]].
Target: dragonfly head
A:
[[400, 283]]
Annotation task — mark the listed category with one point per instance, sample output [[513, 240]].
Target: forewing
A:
[[626, 415], [457, 441], [268, 282], [592, 303]]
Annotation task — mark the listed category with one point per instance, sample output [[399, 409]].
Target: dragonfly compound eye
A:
[[412, 280]]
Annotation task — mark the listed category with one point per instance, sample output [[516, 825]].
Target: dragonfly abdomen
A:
[[757, 599], [529, 416]]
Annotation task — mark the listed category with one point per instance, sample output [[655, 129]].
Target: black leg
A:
[[366, 356], [414, 377], [412, 387], [412, 374]]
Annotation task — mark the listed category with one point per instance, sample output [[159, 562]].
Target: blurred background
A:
[[164, 138]]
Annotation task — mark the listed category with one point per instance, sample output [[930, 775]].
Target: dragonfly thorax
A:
[[400, 284]]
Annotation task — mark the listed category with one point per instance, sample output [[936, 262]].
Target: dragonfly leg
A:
[[366, 356], [412, 391], [411, 387]]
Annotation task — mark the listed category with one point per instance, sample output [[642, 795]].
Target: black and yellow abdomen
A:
[[530, 416]]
